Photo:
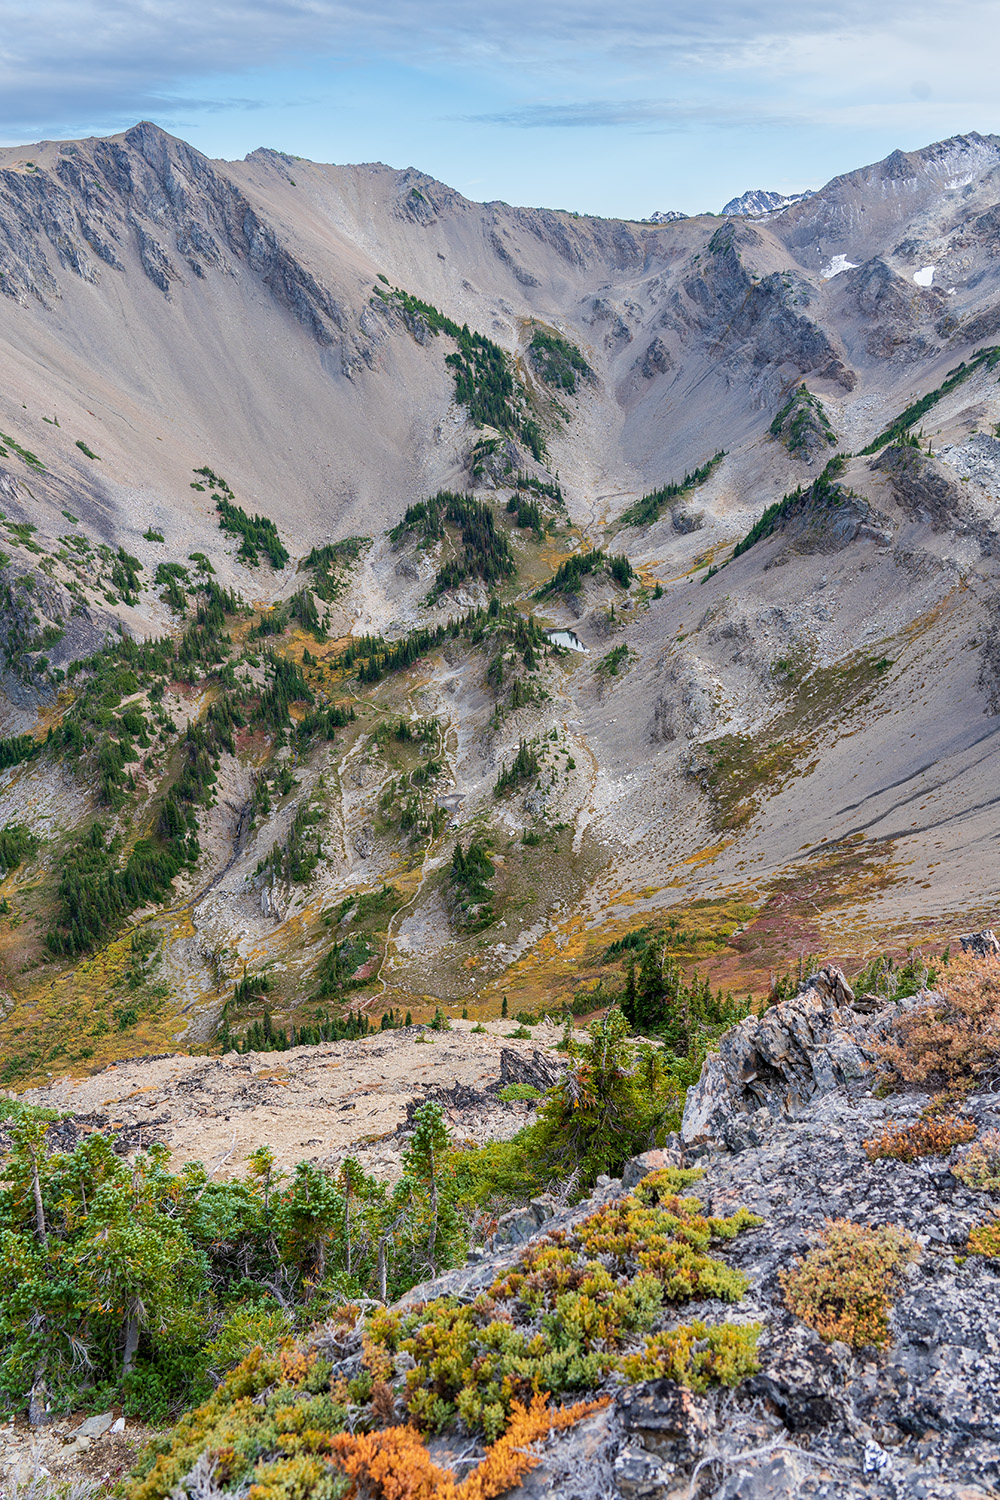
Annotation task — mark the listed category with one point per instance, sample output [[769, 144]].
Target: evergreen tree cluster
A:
[[122, 1281], [300, 608], [567, 577], [557, 361], [647, 510], [487, 551], [264, 1036], [471, 897], [125, 572], [658, 1000], [329, 561], [338, 967], [95, 894], [805, 416], [528, 513], [17, 843], [613, 1102], [544, 487], [376, 657], [15, 748], [257, 534], [297, 857], [522, 768], [171, 577], [484, 381], [323, 722]]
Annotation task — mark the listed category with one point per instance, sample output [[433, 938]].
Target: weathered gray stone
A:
[[96, 1426], [770, 1066], [982, 944], [651, 1161], [641, 1476]]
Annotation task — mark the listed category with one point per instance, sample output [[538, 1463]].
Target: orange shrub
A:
[[395, 1465], [985, 1238], [925, 1137], [952, 1041], [844, 1287]]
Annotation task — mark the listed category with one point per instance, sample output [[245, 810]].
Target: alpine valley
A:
[[345, 519], [421, 616]]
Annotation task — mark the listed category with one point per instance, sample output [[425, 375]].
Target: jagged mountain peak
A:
[[757, 202]]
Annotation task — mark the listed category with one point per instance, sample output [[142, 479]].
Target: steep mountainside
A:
[[340, 447]]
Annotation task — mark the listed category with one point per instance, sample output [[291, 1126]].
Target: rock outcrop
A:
[[917, 1421], [770, 1066]]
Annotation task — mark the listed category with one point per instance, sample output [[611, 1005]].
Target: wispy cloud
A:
[[651, 114], [63, 59], [84, 66]]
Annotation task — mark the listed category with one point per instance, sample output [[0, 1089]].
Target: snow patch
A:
[[925, 276], [838, 263]]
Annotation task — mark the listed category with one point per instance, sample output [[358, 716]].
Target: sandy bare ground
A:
[[309, 1103]]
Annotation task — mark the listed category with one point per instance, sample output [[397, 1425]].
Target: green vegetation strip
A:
[[648, 509], [484, 381], [822, 491], [897, 429], [375, 658]]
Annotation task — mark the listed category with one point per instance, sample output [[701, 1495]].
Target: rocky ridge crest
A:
[[777, 1124]]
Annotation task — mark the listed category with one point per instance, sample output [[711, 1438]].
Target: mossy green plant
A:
[[698, 1355], [559, 1319], [571, 1310]]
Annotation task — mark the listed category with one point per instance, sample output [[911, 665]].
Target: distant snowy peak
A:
[[665, 216], [756, 203]]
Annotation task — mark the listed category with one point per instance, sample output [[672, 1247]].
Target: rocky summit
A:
[[498, 855]]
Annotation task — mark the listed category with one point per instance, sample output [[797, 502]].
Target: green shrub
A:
[[249, 1326], [698, 1355], [518, 1093]]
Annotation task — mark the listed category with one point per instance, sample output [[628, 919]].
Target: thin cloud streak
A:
[[600, 113]]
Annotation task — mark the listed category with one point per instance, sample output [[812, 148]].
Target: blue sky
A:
[[615, 110]]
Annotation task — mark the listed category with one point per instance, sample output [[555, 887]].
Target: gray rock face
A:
[[924, 489], [917, 1421], [164, 197], [541, 1071], [758, 328], [656, 360], [770, 1066], [829, 517], [982, 944], [757, 202]]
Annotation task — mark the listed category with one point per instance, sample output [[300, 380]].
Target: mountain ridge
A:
[[323, 349]]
